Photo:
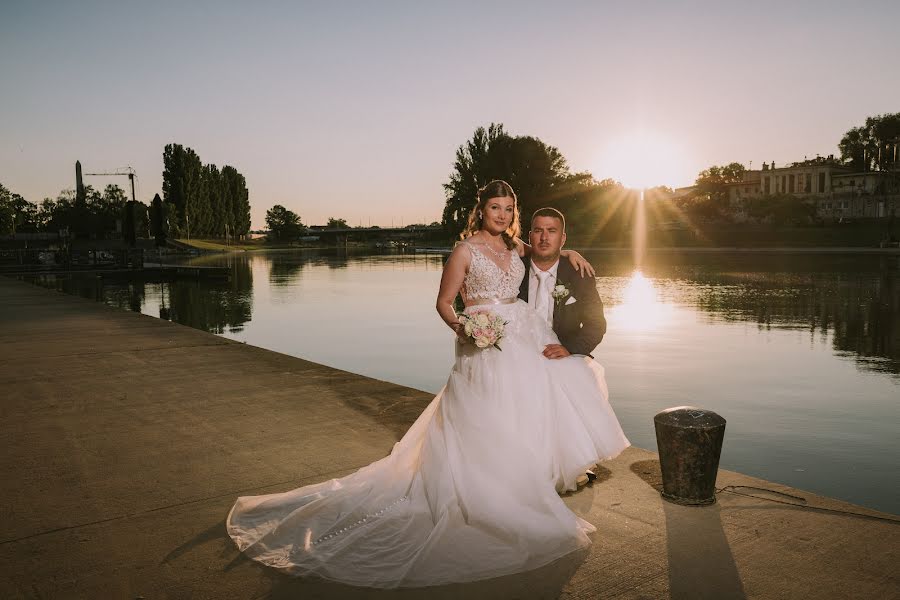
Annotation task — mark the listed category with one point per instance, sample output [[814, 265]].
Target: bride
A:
[[471, 490]]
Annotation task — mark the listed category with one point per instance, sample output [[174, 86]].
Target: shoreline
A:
[[442, 249]]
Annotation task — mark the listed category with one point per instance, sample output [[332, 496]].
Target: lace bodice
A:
[[486, 279]]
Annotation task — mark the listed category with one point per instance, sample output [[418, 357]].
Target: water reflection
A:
[[852, 301], [641, 308], [779, 345], [216, 308], [859, 309], [213, 306]]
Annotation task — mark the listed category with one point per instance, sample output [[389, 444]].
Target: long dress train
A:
[[471, 490]]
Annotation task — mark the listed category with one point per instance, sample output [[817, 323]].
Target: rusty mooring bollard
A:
[[690, 442]]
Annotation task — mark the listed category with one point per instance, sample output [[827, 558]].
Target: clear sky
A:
[[355, 109]]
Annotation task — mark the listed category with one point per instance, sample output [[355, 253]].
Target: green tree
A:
[[106, 208], [283, 223], [27, 216], [702, 207], [336, 223], [208, 218], [240, 200], [114, 196], [202, 200], [183, 190], [16, 213], [872, 146], [129, 224], [598, 212], [713, 182], [537, 172], [159, 226], [63, 212], [471, 170], [44, 217], [780, 209], [7, 212]]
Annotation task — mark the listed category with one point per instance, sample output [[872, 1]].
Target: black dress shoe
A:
[[591, 476]]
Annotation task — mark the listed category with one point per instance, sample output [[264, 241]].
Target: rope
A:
[[731, 490]]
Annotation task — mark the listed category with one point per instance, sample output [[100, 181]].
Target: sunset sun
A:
[[642, 159]]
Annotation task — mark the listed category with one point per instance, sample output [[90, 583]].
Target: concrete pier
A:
[[126, 440]]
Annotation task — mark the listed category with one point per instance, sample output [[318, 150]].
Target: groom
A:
[[568, 301]]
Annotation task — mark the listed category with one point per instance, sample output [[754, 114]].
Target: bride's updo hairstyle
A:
[[495, 189]]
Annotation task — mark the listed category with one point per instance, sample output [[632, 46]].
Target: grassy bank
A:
[[242, 246]]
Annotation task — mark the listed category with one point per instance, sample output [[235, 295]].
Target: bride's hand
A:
[[579, 262]]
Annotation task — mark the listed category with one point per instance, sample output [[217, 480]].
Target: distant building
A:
[[837, 190]]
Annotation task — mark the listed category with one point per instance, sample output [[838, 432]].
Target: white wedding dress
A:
[[471, 490]]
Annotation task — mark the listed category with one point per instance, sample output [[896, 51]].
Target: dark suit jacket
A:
[[580, 326]]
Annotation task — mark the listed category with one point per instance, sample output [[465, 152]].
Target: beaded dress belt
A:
[[480, 301]]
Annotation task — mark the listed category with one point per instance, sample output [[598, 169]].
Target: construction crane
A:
[[124, 171], [128, 225]]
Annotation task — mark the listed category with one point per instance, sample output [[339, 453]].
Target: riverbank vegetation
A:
[[198, 201], [101, 214], [606, 213], [202, 200]]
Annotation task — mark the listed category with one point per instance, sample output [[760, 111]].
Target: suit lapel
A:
[[523, 287], [564, 276], [555, 303]]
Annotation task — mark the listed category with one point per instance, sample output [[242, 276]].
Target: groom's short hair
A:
[[550, 212]]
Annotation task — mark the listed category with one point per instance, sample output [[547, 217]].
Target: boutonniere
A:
[[560, 293]]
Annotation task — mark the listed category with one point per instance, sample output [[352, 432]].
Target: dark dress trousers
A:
[[580, 325]]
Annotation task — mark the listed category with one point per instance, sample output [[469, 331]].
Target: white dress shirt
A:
[[533, 288]]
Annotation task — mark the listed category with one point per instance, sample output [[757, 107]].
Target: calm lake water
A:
[[800, 353]]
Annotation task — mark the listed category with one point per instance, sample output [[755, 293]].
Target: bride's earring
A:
[[479, 215]]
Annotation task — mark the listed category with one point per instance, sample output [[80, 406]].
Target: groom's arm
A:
[[593, 323]]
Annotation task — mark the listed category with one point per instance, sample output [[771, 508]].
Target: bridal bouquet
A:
[[483, 327]]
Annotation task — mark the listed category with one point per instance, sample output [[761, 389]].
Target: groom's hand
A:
[[556, 351]]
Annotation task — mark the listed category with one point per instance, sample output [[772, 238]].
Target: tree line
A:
[[285, 225], [198, 200], [102, 212], [541, 177], [202, 200]]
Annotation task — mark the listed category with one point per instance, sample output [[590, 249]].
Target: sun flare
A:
[[642, 159]]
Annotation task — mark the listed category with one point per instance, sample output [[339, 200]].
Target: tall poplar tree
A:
[[201, 200]]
